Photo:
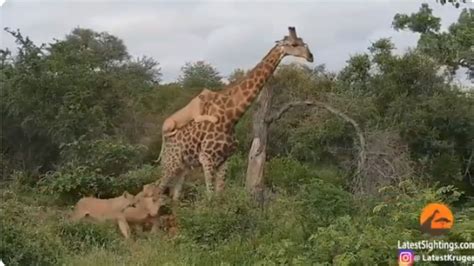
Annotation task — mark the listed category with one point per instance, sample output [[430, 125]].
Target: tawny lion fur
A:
[[192, 111], [123, 210], [145, 211], [101, 210]]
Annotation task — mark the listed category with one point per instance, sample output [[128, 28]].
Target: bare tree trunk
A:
[[257, 154]]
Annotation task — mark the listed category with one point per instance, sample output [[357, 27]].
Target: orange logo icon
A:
[[436, 219]]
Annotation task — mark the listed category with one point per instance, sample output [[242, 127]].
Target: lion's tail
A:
[[162, 148], [164, 135]]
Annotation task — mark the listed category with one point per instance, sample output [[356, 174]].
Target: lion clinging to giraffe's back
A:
[[192, 111]]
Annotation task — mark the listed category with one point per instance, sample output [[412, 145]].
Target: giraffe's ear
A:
[[280, 41]]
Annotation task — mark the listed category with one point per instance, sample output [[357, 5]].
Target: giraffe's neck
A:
[[245, 92]]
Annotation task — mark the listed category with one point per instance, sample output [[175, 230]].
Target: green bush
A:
[[321, 202], [372, 235], [243, 132], [70, 184], [24, 242], [7, 167], [22, 180], [211, 224], [83, 236], [287, 173], [133, 180], [347, 242], [107, 157], [312, 142], [25, 246], [237, 167]]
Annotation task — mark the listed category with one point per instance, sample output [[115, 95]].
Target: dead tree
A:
[[257, 155]]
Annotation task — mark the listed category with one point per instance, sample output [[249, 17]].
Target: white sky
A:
[[227, 34]]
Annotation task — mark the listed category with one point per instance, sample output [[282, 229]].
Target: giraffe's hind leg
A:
[[172, 173], [179, 184], [172, 180], [220, 177], [209, 169], [229, 149]]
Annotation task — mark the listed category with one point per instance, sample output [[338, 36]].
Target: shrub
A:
[[211, 224], [243, 132], [22, 180], [316, 142], [7, 166], [70, 184], [82, 236], [133, 180], [24, 246], [108, 157], [287, 173], [23, 242], [237, 167], [347, 242], [372, 235], [321, 202]]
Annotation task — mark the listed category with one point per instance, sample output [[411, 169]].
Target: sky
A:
[[227, 34]]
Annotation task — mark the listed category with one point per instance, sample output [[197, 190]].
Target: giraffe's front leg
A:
[[209, 171], [220, 176]]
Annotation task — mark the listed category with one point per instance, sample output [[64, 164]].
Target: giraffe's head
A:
[[295, 46]]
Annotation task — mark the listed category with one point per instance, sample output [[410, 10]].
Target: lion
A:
[[144, 213], [147, 191], [192, 111], [155, 220], [125, 210], [101, 210]]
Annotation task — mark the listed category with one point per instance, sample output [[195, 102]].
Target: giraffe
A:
[[209, 144]]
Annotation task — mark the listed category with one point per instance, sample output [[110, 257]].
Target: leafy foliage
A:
[[71, 183], [82, 236], [452, 48], [423, 21], [236, 75], [215, 225], [76, 89], [21, 243], [200, 75], [107, 157], [456, 3]]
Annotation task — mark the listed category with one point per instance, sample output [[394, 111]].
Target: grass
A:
[[308, 225]]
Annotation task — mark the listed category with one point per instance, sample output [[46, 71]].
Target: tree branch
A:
[[362, 142], [468, 166]]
